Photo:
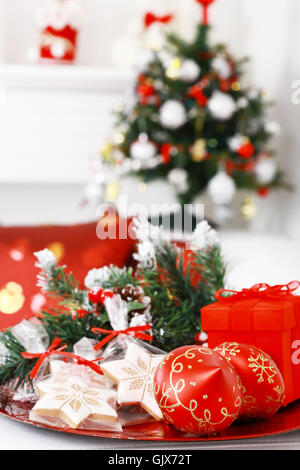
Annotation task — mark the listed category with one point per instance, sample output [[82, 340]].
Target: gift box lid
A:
[[252, 314]]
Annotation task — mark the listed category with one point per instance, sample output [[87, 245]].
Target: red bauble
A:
[[166, 153], [246, 150], [262, 382], [196, 92], [201, 339], [145, 90], [97, 295], [263, 192], [197, 390]]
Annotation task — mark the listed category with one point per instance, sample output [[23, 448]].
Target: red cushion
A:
[[76, 246]]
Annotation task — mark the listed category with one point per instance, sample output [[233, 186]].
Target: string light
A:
[[236, 86], [142, 187]]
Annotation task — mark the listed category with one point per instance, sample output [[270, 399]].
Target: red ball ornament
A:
[[197, 93], [263, 192], [197, 390], [97, 295], [262, 382], [246, 150], [165, 151], [145, 90], [201, 339]]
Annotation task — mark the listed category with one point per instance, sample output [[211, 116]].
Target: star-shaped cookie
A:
[[135, 375]]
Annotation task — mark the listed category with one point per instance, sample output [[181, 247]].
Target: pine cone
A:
[[132, 293]]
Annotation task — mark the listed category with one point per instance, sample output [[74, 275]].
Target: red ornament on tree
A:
[[97, 295], [263, 192], [246, 151], [151, 18], [166, 153], [145, 90], [205, 4], [262, 382], [197, 390], [196, 92]]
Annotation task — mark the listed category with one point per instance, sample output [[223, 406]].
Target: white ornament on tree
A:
[[265, 170], [221, 188], [221, 66], [236, 142], [242, 102], [147, 57], [221, 106], [143, 150], [178, 177], [172, 114], [189, 71]]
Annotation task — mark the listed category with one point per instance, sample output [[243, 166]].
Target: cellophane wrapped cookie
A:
[[131, 364], [75, 396], [32, 335]]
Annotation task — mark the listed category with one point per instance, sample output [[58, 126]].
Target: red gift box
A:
[[263, 316], [59, 24]]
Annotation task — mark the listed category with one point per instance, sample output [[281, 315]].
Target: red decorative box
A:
[[76, 246], [265, 317], [59, 25]]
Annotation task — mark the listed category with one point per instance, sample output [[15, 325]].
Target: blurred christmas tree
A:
[[194, 124]]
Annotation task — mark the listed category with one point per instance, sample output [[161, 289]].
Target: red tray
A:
[[288, 419]]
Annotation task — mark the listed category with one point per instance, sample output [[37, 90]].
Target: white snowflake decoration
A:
[[204, 237], [98, 276], [46, 260], [149, 237]]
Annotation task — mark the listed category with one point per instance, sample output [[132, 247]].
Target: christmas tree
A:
[[194, 124]]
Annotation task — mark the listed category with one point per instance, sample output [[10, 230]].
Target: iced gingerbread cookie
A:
[[134, 375], [74, 401]]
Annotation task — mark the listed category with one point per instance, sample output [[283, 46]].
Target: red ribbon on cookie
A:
[[135, 331], [60, 351]]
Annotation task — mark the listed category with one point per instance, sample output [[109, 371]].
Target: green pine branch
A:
[[16, 369]]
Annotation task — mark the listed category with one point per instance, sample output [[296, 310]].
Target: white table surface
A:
[[251, 258], [16, 435]]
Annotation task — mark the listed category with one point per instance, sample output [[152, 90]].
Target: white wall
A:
[[104, 21]]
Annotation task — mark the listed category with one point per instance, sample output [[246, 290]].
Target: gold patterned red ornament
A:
[[262, 382], [197, 390]]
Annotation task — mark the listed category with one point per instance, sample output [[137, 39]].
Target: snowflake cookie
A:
[[135, 375]]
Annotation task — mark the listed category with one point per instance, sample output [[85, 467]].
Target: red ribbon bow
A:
[[259, 290], [85, 362], [135, 331], [151, 18], [53, 349]]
